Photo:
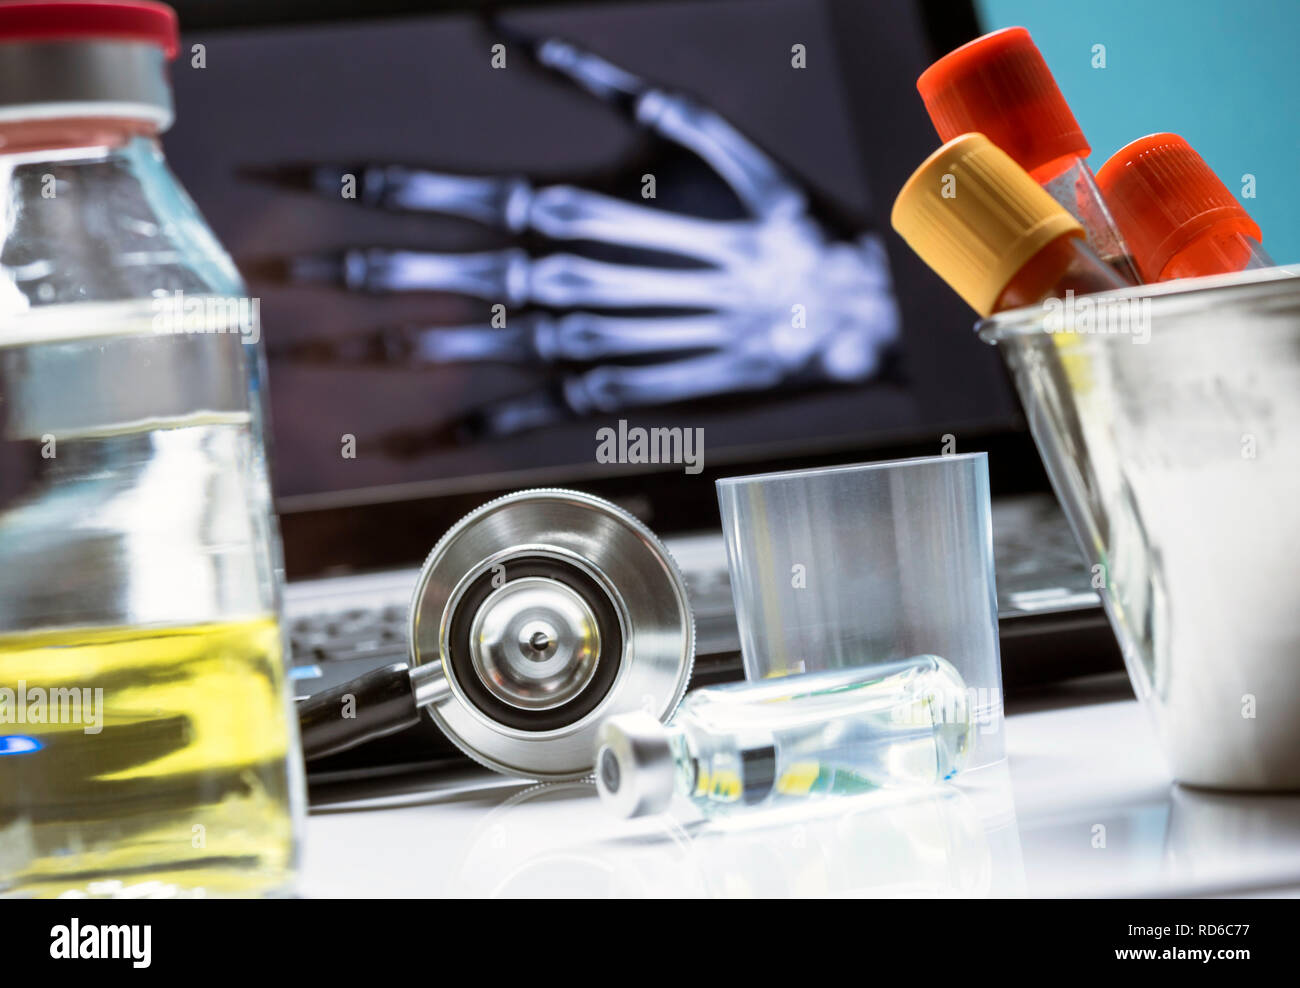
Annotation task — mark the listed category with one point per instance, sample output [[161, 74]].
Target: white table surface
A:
[[1083, 806]]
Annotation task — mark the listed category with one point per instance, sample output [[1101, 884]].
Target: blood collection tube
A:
[[990, 231], [1175, 214], [1000, 86]]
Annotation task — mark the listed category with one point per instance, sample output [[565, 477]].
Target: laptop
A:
[[486, 246]]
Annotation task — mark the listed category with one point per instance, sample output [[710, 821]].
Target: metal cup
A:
[[1168, 417]]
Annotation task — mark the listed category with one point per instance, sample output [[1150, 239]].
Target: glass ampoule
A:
[[832, 733]]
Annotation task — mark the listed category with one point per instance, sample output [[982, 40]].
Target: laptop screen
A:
[[580, 241]]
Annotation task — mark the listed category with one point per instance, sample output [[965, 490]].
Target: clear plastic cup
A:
[[845, 566]]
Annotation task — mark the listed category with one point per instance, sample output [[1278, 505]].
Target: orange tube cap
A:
[[1000, 86], [1163, 195], [977, 218]]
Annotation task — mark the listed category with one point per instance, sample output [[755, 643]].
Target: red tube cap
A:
[[1000, 86], [1163, 195], [90, 20]]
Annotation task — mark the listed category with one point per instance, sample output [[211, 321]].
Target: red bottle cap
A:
[[1000, 86], [90, 20], [1163, 195]]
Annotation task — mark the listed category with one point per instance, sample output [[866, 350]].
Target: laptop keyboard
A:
[[358, 633], [1039, 566]]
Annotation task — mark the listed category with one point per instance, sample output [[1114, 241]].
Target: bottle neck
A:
[[96, 204], [39, 134], [54, 80]]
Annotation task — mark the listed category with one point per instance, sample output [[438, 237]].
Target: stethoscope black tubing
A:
[[378, 703]]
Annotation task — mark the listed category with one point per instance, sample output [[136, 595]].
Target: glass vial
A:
[[744, 745]]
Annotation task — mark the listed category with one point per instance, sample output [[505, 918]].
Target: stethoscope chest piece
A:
[[537, 616]]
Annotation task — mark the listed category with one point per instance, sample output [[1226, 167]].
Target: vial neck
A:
[[39, 134], [686, 765]]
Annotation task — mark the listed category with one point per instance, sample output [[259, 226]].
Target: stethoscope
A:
[[534, 618]]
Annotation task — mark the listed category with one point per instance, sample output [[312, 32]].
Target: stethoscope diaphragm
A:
[[533, 619]]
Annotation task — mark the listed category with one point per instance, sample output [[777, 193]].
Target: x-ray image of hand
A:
[[770, 300]]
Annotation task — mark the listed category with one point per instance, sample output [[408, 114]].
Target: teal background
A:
[[1225, 75]]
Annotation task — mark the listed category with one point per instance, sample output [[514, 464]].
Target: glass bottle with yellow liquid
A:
[[147, 746]]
